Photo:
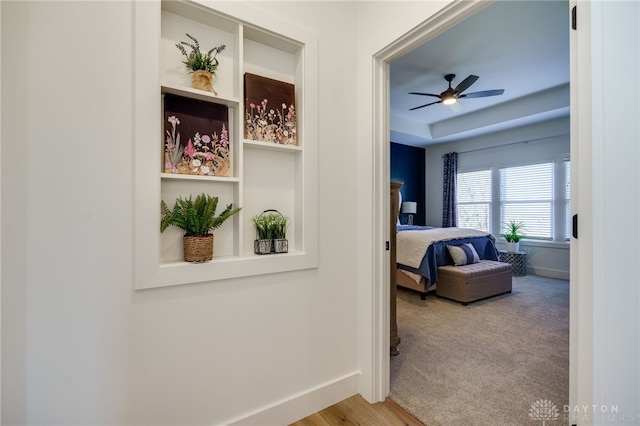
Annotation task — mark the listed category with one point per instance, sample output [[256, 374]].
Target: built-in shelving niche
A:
[[263, 175]]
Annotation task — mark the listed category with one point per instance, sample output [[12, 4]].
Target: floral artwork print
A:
[[269, 125], [270, 113], [196, 138]]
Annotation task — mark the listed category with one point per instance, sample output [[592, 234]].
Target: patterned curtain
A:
[[449, 208]]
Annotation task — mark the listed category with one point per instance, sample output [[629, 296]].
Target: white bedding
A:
[[412, 245]]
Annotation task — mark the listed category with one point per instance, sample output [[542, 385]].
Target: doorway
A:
[[451, 16]]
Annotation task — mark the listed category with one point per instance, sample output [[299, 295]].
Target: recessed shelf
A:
[[270, 146], [201, 95], [199, 177], [263, 175]]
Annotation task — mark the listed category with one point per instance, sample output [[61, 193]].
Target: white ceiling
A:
[[519, 46]]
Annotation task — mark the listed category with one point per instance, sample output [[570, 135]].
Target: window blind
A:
[[526, 195], [474, 200]]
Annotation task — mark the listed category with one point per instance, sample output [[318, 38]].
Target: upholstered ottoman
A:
[[472, 282]]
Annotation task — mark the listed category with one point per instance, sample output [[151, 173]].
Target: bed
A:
[[422, 249]]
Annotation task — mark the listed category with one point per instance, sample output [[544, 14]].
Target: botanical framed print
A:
[[270, 114], [196, 137]]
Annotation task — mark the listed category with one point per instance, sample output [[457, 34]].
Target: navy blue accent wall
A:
[[408, 166]]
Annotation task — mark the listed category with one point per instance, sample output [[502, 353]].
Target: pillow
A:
[[464, 254]]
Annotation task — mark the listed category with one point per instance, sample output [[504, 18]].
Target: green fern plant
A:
[[195, 217]]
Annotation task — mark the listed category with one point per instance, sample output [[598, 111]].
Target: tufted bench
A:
[[472, 282]]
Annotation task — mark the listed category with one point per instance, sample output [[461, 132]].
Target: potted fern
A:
[[513, 235], [197, 218], [202, 65]]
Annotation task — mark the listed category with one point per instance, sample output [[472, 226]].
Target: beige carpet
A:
[[486, 363]]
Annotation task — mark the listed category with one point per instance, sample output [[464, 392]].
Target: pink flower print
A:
[[208, 156], [206, 138], [252, 105], [190, 150]]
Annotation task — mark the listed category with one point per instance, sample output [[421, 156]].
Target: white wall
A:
[[80, 346], [547, 142]]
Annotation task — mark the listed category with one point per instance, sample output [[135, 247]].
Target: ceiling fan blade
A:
[[424, 94], [422, 106], [466, 83], [483, 94]]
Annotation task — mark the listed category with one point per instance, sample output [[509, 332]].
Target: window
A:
[[526, 195], [474, 200], [539, 195]]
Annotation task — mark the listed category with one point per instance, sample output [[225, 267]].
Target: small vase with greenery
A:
[[513, 235], [264, 236], [271, 229], [202, 65], [278, 224], [197, 218]]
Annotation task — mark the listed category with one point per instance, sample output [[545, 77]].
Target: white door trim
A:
[[448, 17], [581, 352]]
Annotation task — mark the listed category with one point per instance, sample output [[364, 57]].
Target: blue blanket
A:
[[438, 255]]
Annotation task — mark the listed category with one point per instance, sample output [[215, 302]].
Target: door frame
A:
[[581, 351]]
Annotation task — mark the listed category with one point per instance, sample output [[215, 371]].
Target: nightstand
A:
[[517, 260]]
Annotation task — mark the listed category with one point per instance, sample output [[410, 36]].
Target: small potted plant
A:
[[513, 236], [202, 65], [197, 218], [278, 224], [271, 231], [264, 239]]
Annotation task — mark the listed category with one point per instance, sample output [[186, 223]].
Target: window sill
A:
[[562, 245]]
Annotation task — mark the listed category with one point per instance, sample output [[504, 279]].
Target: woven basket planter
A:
[[203, 80], [198, 248]]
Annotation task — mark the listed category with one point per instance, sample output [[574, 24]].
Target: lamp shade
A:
[[409, 207]]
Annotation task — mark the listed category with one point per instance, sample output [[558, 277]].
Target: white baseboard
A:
[[299, 406], [549, 273]]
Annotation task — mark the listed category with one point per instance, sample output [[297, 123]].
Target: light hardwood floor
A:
[[357, 411]]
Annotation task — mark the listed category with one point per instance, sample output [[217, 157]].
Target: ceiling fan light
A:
[[449, 100]]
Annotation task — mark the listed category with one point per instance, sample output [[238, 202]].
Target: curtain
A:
[[449, 208]]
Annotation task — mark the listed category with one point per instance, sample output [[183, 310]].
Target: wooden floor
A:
[[357, 411]]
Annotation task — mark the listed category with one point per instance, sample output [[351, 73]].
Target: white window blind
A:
[[474, 200], [526, 195]]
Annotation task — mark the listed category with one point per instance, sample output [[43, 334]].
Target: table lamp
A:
[[409, 208]]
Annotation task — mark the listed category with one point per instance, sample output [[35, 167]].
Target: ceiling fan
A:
[[451, 95]]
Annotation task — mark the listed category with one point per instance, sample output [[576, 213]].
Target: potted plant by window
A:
[[513, 236], [202, 65], [197, 218]]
